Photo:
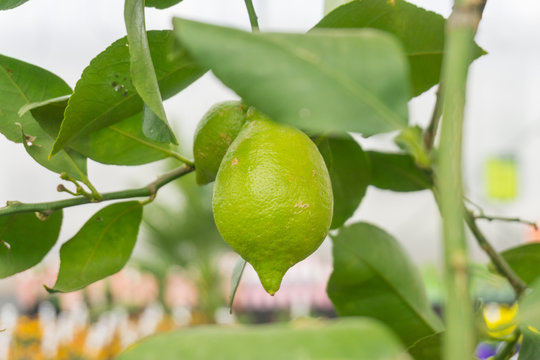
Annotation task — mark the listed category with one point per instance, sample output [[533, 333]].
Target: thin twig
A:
[[498, 261], [150, 190], [252, 15], [506, 219]]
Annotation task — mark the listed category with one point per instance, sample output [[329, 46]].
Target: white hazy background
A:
[[503, 110]]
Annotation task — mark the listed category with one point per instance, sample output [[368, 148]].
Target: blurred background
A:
[[180, 271]]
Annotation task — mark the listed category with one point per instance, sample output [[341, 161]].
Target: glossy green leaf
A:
[[344, 339], [374, 277], [238, 271], [25, 240], [10, 4], [328, 80], [120, 144], [143, 75], [21, 85], [525, 261], [429, 347], [69, 161], [530, 345], [529, 307], [397, 172], [349, 169], [154, 128], [105, 95], [100, 248], [161, 4], [420, 31]]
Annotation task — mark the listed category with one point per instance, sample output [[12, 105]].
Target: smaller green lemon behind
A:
[[272, 198], [215, 132]]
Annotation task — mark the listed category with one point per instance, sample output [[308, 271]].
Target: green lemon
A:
[[215, 132], [272, 198]]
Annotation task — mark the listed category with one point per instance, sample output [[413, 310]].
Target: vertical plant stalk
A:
[[459, 339], [252, 16]]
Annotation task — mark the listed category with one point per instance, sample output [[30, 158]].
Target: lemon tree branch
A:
[[150, 190]]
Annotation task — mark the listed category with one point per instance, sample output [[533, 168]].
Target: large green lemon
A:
[[215, 132], [272, 198]]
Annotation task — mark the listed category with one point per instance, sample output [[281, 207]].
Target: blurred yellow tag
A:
[[501, 178]]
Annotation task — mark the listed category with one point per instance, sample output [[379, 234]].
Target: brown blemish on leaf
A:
[[234, 161]]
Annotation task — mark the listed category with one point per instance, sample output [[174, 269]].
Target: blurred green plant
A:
[[182, 233]]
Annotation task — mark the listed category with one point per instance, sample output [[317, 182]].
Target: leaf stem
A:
[[15, 207], [509, 348], [252, 15], [498, 261]]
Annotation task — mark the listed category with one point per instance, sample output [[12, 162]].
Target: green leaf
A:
[[48, 113], [529, 307], [420, 31], [105, 95], [10, 4], [235, 279], [21, 86], [411, 141], [427, 348], [530, 345], [161, 4], [397, 172], [69, 161], [525, 261], [100, 248], [344, 339], [349, 169], [120, 144], [154, 128], [25, 240], [374, 277], [328, 80], [143, 75]]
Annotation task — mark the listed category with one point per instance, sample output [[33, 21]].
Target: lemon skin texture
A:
[[215, 132], [272, 198]]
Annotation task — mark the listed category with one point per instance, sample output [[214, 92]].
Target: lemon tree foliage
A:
[[10, 4], [346, 339], [19, 249], [105, 94], [101, 248], [22, 84], [303, 79], [155, 124], [287, 164], [421, 33], [374, 277], [524, 260]]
